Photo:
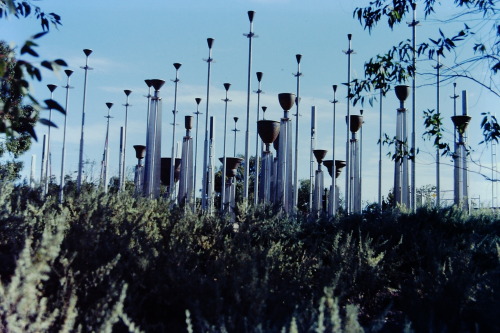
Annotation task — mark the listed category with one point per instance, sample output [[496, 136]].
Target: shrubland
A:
[[113, 262]]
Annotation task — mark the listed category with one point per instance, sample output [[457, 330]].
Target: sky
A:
[[137, 40]]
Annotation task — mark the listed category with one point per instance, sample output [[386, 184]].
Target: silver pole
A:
[[174, 125], [48, 166], [105, 155], [413, 25], [124, 159], [32, 172], [44, 156], [250, 35], [298, 57], [197, 113], [186, 176], [224, 164], [235, 130], [284, 183], [380, 154], [257, 155], [120, 159], [311, 158], [348, 146], [464, 156], [63, 155], [360, 145], [210, 172], [334, 132], [438, 171], [87, 53], [204, 184], [152, 168]]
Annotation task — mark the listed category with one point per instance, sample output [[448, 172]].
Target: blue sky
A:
[[133, 41]]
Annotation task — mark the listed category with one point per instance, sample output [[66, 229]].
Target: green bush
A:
[[115, 262]]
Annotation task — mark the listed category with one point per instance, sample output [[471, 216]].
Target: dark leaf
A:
[[40, 34], [61, 62], [51, 104], [47, 64], [47, 122]]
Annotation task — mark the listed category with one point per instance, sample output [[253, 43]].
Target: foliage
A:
[[396, 65], [15, 74], [115, 262], [433, 123]]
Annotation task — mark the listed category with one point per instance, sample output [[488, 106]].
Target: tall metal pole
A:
[[63, 155], [235, 130], [87, 52], [464, 155], [348, 146], [48, 166], [174, 125], [224, 164], [380, 153], [298, 57], [124, 154], [105, 157], [311, 158], [438, 178], [334, 184], [204, 184], [197, 113], [413, 24], [250, 35], [360, 184], [152, 167], [257, 155]]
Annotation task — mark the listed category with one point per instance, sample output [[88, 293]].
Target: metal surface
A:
[[204, 190], [223, 190], [172, 192], [250, 36], [87, 53], [152, 165], [298, 57], [257, 157]]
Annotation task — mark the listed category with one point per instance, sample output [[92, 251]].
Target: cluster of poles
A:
[[276, 177]]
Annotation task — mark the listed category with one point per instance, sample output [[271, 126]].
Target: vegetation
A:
[[114, 263]]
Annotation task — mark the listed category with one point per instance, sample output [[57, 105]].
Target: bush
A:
[[119, 262]]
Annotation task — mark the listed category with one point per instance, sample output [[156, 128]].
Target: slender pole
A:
[[360, 172], [63, 155], [380, 153], [348, 146], [413, 25], [235, 130], [250, 35], [87, 52], [122, 166], [438, 171], [257, 155], [464, 156], [298, 57], [48, 166], [44, 156], [32, 173], [105, 157], [224, 167], [334, 183], [197, 113], [152, 167], [204, 184], [311, 158], [174, 125]]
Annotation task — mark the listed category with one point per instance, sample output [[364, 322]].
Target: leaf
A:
[[51, 104], [47, 122], [40, 34], [61, 62], [47, 64]]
